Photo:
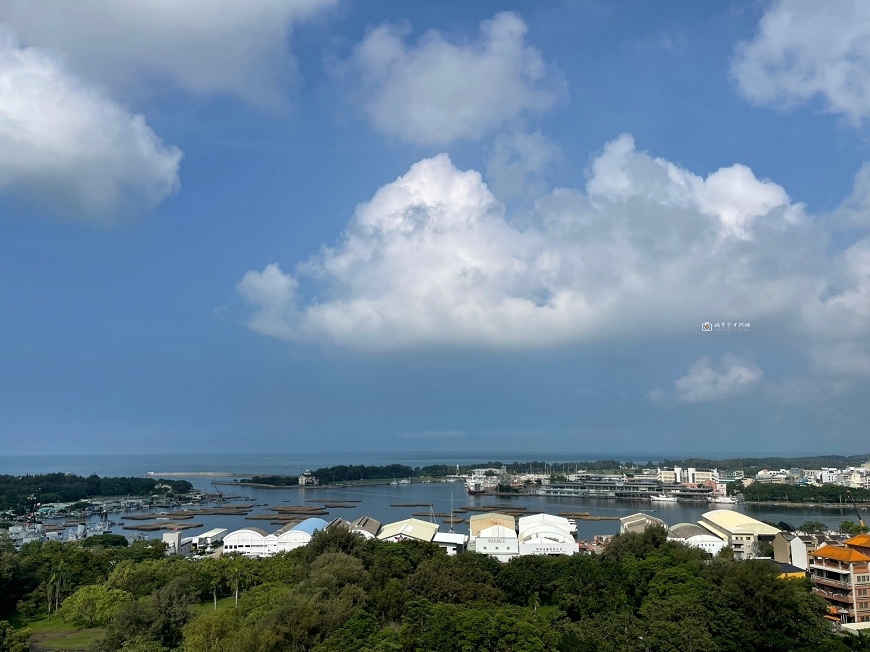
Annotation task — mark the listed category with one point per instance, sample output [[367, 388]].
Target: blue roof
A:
[[310, 524]]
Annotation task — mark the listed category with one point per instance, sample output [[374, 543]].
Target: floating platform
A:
[[167, 525], [411, 505]]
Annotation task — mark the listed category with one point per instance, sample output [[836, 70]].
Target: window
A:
[[862, 605]]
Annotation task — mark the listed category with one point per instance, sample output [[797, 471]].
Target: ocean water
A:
[[246, 464]]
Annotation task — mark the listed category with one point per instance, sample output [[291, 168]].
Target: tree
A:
[[96, 604], [852, 529], [206, 633], [813, 526], [13, 640]]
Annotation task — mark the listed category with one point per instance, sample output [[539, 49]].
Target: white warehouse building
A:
[[254, 542], [544, 534], [695, 536], [497, 541]]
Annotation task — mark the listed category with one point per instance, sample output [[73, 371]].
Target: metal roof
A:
[[411, 528], [213, 533], [309, 525], [688, 530], [368, 524], [534, 520], [480, 522], [497, 532], [732, 521]]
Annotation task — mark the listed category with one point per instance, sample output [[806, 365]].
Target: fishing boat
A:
[[663, 498], [722, 500], [474, 488]]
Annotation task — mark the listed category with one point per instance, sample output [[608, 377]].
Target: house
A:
[[789, 548]]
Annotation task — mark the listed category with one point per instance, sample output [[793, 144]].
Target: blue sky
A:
[[314, 225]]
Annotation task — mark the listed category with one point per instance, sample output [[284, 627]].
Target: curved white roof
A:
[[732, 521], [536, 519], [545, 531], [498, 532]]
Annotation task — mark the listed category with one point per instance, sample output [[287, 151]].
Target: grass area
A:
[[73, 641], [57, 634], [223, 603]]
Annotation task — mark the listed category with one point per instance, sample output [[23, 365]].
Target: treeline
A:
[[274, 480], [15, 491], [755, 464], [345, 473], [828, 493], [342, 593]]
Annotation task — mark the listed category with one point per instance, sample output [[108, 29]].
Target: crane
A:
[[33, 504], [220, 494], [857, 513]]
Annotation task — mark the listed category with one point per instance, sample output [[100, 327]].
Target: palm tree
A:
[[534, 602], [60, 578]]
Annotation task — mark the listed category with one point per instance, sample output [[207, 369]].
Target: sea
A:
[[377, 501]]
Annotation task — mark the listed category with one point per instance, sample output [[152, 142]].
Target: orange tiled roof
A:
[[862, 540], [839, 554]]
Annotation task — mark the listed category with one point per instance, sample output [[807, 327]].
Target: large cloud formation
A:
[[436, 92], [65, 142], [199, 45], [806, 49], [704, 383], [648, 247]]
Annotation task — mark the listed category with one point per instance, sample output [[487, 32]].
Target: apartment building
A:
[[690, 475], [841, 576]]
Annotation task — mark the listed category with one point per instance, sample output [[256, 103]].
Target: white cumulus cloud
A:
[[807, 49], [65, 142], [199, 45], [437, 91], [646, 247], [703, 382]]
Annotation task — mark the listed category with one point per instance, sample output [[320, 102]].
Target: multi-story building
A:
[[743, 533], [690, 475], [841, 575]]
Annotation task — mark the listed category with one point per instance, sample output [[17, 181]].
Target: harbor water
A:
[[376, 500]]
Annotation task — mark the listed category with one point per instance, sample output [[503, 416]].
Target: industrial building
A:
[[480, 522], [452, 543], [497, 541], [410, 528], [639, 522], [210, 538], [544, 534], [743, 533], [254, 542], [176, 544], [694, 535]]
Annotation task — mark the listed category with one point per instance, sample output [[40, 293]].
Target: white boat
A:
[[663, 498], [722, 500]]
